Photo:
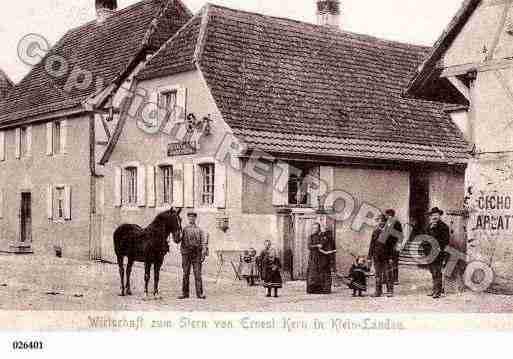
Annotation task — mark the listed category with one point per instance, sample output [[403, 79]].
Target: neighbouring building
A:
[[272, 119], [471, 68], [5, 84], [54, 122]]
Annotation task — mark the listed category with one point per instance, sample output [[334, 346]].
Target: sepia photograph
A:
[[259, 166]]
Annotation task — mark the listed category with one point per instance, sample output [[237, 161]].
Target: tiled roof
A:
[[292, 86], [5, 84], [102, 49]]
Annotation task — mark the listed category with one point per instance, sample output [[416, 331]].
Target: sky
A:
[[412, 21]]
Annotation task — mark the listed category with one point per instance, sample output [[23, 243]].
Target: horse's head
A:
[[174, 223]]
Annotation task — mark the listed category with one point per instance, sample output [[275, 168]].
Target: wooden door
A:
[[26, 217], [302, 231]]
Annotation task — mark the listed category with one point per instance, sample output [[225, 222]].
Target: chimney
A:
[[328, 13], [105, 8]]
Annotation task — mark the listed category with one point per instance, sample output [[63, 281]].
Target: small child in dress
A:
[[272, 272], [249, 268], [358, 276]]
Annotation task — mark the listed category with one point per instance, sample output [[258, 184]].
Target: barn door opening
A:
[[419, 198], [26, 218]]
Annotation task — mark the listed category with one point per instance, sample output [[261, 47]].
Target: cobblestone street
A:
[[48, 283]]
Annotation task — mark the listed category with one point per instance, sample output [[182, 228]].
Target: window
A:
[[300, 184], [167, 184], [207, 184], [23, 141], [130, 186], [59, 203], [167, 102], [56, 133]]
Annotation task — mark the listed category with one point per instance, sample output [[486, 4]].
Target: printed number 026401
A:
[[22, 345]]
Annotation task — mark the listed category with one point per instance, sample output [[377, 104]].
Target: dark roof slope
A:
[[101, 49], [5, 84], [425, 82], [288, 86]]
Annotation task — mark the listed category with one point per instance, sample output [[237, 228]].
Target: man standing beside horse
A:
[[194, 248]]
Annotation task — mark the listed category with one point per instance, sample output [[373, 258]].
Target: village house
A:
[[50, 132], [274, 119], [261, 125], [471, 69]]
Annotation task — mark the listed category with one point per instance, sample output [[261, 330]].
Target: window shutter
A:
[[1, 203], [49, 201], [151, 186], [179, 180], [141, 186], [117, 187], [220, 185], [2, 146], [49, 138], [327, 177], [64, 136], [17, 145], [280, 183], [315, 188], [181, 103], [29, 140], [67, 202], [189, 182]]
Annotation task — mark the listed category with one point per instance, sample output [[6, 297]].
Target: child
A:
[[271, 272], [249, 271], [358, 276]]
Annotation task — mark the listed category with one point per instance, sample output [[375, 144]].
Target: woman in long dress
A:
[[320, 262]]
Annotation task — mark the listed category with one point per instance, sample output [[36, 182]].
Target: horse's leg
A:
[[128, 273], [147, 271], [121, 274], [156, 274]]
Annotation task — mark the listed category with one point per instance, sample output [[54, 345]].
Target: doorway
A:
[[419, 198], [26, 218]]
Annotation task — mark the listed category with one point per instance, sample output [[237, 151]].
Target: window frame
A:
[[129, 199], [59, 201], [23, 141], [57, 139], [206, 190], [163, 199]]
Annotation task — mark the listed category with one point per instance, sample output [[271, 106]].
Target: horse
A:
[[148, 245]]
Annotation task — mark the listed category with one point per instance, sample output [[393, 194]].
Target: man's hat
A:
[[390, 212], [435, 210], [192, 214]]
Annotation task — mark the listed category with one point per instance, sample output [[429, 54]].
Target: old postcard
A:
[[306, 166]]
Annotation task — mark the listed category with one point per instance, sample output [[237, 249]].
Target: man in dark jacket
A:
[[381, 253], [439, 232], [194, 248]]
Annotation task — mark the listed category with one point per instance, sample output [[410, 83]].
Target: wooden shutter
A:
[[179, 179], [314, 187], [220, 185], [327, 177], [2, 146], [49, 201], [29, 140], [64, 136], [17, 142], [49, 138], [117, 187], [280, 183], [151, 185], [181, 103], [67, 202], [141, 186], [189, 183]]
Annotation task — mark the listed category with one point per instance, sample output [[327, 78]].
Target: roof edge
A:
[[426, 70]]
